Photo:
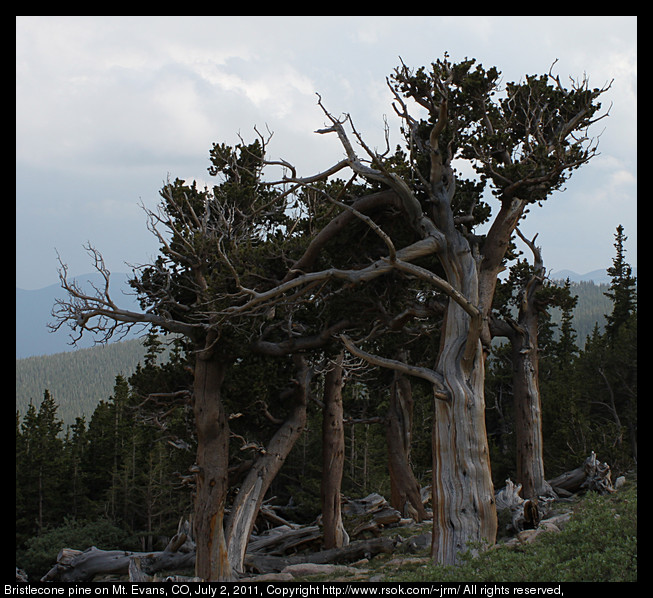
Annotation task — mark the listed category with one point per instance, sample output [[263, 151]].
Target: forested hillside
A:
[[77, 380], [591, 308]]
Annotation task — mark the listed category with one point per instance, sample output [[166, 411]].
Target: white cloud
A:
[[121, 101], [275, 88]]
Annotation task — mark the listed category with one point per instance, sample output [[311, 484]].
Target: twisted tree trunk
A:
[[464, 510], [463, 493]]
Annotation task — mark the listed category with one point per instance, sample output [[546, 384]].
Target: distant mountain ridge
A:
[[595, 276], [34, 313]]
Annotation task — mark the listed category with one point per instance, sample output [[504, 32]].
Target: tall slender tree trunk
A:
[[523, 336], [464, 509], [211, 563], [528, 411], [404, 488], [333, 458], [252, 491]]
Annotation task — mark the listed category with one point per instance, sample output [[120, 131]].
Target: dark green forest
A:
[[119, 477]]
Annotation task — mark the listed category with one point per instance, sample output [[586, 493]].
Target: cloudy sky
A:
[[108, 107]]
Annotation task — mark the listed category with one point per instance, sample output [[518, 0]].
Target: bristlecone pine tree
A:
[[234, 262]]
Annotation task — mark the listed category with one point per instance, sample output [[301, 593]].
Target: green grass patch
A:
[[599, 543]]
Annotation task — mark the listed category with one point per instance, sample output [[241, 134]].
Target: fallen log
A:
[[282, 539], [79, 566], [592, 475], [82, 566], [361, 506], [259, 563], [268, 513], [136, 574], [369, 514], [526, 514]]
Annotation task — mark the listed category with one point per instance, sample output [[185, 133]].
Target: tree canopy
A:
[[387, 256]]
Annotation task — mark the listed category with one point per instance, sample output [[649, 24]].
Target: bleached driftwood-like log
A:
[[368, 514], [91, 562], [592, 475], [136, 574], [268, 513], [260, 563], [525, 514], [279, 540], [369, 504], [78, 566]]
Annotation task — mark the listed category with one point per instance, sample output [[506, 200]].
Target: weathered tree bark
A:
[[528, 412], [78, 566], [464, 510], [212, 562], [333, 457], [526, 387], [463, 493], [252, 491], [369, 515], [526, 513], [404, 489], [284, 539]]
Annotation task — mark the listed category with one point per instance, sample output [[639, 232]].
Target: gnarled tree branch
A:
[[439, 389]]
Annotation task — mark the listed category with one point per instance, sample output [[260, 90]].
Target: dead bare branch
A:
[[439, 389], [422, 225], [379, 267]]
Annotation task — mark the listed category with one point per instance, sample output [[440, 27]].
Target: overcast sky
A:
[[108, 107]]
